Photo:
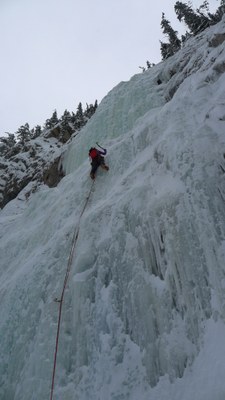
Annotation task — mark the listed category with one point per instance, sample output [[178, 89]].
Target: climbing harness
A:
[[60, 301]]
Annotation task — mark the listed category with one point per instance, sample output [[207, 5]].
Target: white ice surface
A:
[[144, 309]]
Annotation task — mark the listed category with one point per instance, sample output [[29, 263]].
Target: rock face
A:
[[36, 155], [38, 162], [53, 174], [60, 134], [217, 39]]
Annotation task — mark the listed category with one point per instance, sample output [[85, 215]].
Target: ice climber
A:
[[97, 159]]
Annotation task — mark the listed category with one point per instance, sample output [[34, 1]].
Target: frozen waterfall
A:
[[144, 309]]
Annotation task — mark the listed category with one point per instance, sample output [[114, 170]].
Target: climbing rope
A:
[[60, 301]]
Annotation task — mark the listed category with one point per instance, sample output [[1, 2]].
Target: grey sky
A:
[[56, 53]]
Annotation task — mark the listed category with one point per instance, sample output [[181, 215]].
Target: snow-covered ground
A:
[[144, 310]]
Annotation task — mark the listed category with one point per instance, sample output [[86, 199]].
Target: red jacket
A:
[[93, 153]]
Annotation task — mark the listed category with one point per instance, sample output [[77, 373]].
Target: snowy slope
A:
[[144, 309]]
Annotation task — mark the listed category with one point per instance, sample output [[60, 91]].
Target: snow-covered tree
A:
[[168, 49], [7, 142], [185, 37], [215, 18], [10, 140], [51, 122], [66, 118], [195, 21], [66, 122], [79, 117], [165, 50], [90, 109], [80, 114], [23, 134], [36, 132], [149, 65]]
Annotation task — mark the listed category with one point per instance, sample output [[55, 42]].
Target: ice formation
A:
[[144, 309]]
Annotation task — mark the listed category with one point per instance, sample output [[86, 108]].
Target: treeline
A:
[[68, 122], [195, 20]]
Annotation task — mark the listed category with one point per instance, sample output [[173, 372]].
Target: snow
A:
[[144, 310]]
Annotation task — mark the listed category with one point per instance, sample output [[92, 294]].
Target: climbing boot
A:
[[105, 167]]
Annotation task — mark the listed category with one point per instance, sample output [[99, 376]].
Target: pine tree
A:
[[54, 118], [96, 105], [36, 132], [66, 118], [149, 65], [11, 140], [23, 134], [143, 69], [90, 110], [185, 37], [215, 18], [204, 7], [66, 121], [51, 122], [7, 143], [165, 49], [168, 49], [196, 22], [79, 117]]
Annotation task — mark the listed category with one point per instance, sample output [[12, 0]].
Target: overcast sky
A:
[[56, 53]]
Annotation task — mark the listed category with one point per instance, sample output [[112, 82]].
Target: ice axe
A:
[[100, 146]]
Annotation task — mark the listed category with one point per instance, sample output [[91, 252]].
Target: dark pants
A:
[[96, 162]]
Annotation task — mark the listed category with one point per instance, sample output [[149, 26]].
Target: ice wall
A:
[[144, 305]]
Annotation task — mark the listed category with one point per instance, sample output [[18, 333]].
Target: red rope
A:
[[74, 241]]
